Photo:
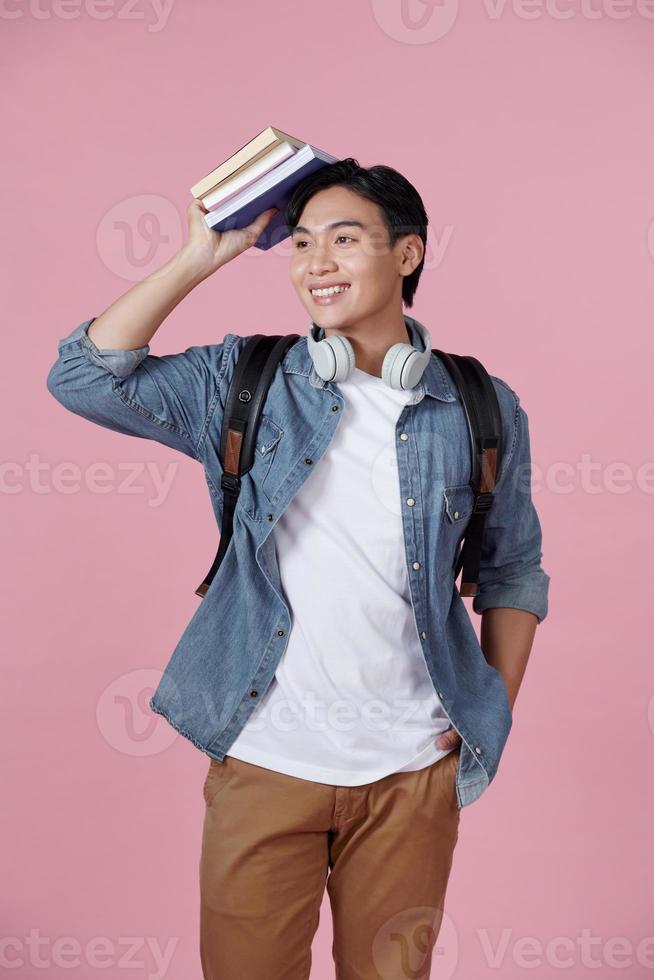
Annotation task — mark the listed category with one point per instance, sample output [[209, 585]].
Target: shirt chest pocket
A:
[[264, 472], [457, 510]]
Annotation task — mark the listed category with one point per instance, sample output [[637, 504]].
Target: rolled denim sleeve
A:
[[120, 363], [167, 399], [510, 572]]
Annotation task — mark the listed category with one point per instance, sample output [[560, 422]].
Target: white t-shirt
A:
[[352, 699]]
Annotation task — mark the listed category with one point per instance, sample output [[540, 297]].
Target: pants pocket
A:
[[216, 779]]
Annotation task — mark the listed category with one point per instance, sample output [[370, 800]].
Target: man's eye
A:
[[302, 241]]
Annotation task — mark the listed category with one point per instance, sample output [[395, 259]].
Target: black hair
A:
[[399, 202]]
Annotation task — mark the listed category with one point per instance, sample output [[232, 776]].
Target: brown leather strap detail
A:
[[488, 470], [468, 588], [233, 451]]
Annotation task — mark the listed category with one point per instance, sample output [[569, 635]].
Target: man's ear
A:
[[411, 253]]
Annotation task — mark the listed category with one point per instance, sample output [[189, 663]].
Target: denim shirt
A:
[[227, 655]]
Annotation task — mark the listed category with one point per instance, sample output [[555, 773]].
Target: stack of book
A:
[[260, 175]]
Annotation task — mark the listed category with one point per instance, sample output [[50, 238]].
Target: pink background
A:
[[529, 135]]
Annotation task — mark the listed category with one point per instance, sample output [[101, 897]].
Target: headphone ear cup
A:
[[345, 357], [333, 358], [413, 368], [394, 366]]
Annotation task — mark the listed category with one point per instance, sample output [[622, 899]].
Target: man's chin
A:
[[332, 319]]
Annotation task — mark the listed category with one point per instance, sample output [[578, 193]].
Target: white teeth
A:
[[330, 291]]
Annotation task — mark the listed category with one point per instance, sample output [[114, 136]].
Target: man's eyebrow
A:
[[334, 224]]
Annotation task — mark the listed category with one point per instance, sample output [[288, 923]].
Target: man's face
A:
[[353, 255]]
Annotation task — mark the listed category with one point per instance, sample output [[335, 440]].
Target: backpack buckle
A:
[[230, 482], [483, 503]]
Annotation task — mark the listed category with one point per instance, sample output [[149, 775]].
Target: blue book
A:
[[274, 189]]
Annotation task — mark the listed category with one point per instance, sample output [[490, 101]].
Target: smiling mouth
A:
[[331, 293]]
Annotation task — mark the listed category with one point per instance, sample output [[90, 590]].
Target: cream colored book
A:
[[266, 140], [247, 176]]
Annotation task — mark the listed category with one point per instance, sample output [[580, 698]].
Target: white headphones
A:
[[402, 368]]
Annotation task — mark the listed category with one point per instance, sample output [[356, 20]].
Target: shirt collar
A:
[[434, 381]]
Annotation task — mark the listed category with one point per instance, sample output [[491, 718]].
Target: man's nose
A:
[[321, 261]]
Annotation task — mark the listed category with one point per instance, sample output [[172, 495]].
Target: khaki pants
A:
[[270, 843]]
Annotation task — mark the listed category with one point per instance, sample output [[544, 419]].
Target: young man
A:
[[331, 671]]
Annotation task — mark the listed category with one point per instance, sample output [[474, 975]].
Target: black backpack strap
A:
[[484, 421], [246, 397]]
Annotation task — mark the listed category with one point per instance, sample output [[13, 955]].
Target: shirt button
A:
[[423, 635], [416, 565], [334, 408], [403, 436], [308, 461], [456, 515], [477, 749], [270, 517], [253, 694], [280, 632], [410, 501]]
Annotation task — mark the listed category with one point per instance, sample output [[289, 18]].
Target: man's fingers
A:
[[254, 229], [262, 219], [448, 739]]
